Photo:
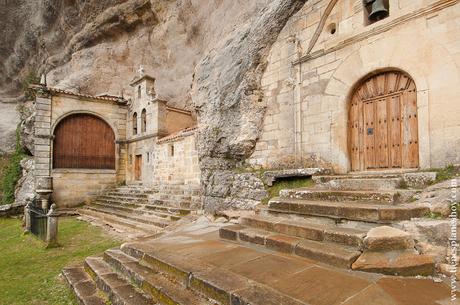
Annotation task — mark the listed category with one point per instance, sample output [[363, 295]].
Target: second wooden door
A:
[[383, 123]]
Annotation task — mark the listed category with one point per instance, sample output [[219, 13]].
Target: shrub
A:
[[12, 172]]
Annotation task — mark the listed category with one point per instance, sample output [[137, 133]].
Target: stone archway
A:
[[383, 123]]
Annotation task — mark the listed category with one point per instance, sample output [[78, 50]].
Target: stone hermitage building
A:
[[364, 95], [89, 143]]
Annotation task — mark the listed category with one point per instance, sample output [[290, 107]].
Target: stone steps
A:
[[328, 252], [83, 286], [306, 230], [152, 282], [138, 210], [117, 289], [168, 209], [150, 220], [361, 184], [171, 203], [120, 223], [124, 198], [377, 213], [382, 197], [221, 285]]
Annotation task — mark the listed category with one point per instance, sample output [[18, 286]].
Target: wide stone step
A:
[[119, 290], [83, 286], [128, 194], [125, 198], [378, 213], [387, 197], [168, 209], [150, 220], [306, 230], [171, 203], [132, 205], [221, 285], [327, 252], [152, 282], [120, 223], [361, 184], [139, 210]]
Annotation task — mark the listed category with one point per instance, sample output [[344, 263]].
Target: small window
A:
[[171, 150], [148, 158], [375, 10], [135, 123], [143, 120], [139, 91]]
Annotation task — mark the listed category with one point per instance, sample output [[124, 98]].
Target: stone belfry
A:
[[147, 112]]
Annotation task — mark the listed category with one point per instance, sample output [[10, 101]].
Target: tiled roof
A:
[[67, 92], [178, 135]]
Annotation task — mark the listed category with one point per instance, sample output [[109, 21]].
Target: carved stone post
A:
[[28, 224], [52, 227]]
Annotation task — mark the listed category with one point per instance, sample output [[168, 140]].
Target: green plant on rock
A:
[[292, 183], [446, 173], [12, 172], [30, 79]]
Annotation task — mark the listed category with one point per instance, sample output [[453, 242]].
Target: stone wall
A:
[[307, 95], [73, 187], [176, 160]]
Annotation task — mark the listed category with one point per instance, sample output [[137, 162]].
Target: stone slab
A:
[[402, 263], [388, 238]]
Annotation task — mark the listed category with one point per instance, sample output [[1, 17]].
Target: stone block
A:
[[230, 232], [388, 238], [419, 179], [400, 262], [253, 236], [281, 243]]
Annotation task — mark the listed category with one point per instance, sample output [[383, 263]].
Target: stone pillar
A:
[[28, 224], [43, 136], [42, 142], [52, 227]]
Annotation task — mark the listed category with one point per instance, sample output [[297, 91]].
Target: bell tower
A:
[[147, 103]]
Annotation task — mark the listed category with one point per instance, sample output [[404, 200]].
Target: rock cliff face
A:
[[206, 55], [95, 46]]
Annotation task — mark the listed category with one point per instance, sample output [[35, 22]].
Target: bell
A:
[[378, 11]]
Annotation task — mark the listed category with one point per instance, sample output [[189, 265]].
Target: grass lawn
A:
[[29, 272]]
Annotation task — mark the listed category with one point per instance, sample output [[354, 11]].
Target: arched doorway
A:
[[383, 123], [83, 141]]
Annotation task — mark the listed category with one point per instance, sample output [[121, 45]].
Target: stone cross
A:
[[141, 71]]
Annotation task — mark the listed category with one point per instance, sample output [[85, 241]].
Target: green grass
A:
[[446, 173], [4, 161], [29, 272], [275, 189]]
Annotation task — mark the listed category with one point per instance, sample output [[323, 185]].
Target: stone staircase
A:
[[177, 195], [130, 209], [329, 222], [118, 278]]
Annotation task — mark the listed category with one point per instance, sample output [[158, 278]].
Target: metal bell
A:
[[378, 10]]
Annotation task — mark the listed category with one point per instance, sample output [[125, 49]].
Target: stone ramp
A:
[[194, 266]]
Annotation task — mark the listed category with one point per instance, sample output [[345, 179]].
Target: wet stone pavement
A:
[[303, 280]]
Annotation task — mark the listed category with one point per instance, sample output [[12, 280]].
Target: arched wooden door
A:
[[83, 141], [383, 123]]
